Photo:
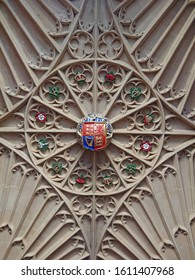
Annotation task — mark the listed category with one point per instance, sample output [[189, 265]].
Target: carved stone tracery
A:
[[60, 62]]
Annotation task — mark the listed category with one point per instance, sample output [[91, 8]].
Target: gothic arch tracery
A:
[[133, 63]]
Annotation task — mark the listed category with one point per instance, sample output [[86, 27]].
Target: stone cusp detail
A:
[[94, 132]]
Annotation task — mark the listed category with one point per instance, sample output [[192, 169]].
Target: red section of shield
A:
[[98, 130], [100, 142], [88, 129]]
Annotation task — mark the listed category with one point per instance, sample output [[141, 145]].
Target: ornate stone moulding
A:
[[94, 132]]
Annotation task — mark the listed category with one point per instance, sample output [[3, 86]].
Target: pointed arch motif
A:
[[133, 63]]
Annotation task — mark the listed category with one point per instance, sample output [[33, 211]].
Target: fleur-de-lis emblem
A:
[[131, 168], [135, 93], [57, 167], [43, 144], [54, 92]]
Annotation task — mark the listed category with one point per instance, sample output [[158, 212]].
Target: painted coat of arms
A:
[[94, 132]]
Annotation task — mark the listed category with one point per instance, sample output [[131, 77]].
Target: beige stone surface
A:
[[131, 203]]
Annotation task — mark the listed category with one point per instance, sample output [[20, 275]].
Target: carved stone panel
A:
[[97, 141]]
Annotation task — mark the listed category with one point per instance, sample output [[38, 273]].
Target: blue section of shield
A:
[[88, 142], [99, 119], [108, 127]]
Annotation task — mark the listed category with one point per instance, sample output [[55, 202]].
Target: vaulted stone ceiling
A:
[[131, 62]]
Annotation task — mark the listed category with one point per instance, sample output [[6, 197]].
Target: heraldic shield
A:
[[94, 132], [94, 135]]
